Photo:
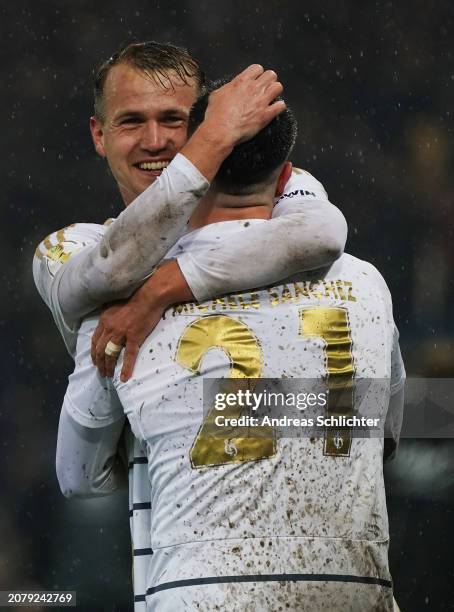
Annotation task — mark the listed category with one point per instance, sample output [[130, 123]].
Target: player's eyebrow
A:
[[181, 112], [164, 113]]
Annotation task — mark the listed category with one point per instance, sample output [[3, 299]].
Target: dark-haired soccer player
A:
[[256, 523]]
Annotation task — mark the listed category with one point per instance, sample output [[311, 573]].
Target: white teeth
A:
[[153, 165]]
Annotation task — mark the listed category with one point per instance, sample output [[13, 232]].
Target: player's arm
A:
[[91, 423], [394, 415], [144, 232], [305, 232], [87, 461], [51, 255]]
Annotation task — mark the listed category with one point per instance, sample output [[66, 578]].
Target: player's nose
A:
[[153, 137]]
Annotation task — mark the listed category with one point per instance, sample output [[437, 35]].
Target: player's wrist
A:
[[167, 286], [212, 139], [206, 151]]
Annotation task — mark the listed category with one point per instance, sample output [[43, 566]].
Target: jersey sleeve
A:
[[398, 375], [133, 244], [87, 461], [397, 368], [395, 412], [50, 258], [90, 399], [305, 232]]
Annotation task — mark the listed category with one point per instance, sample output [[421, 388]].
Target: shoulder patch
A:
[[49, 245]]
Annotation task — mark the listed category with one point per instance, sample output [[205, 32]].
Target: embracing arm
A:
[[305, 232]]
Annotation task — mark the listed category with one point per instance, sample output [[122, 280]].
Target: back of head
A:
[[157, 60], [252, 164]]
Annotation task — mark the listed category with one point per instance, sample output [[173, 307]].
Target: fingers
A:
[[268, 77], [95, 339], [266, 87], [110, 361], [268, 103], [273, 111], [129, 360], [239, 109], [262, 78], [106, 363], [99, 354], [251, 72], [274, 89]]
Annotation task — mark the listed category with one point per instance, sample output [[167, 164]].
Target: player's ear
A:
[[97, 134], [283, 178]]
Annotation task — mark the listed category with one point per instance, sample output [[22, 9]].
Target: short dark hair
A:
[[253, 162], [156, 59]]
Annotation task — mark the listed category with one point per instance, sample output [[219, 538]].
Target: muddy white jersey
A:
[[228, 512]]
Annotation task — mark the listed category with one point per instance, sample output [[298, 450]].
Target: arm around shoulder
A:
[[305, 232]]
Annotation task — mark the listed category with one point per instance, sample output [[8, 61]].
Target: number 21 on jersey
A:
[[243, 350]]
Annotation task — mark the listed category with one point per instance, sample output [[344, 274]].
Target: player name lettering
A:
[[337, 289]]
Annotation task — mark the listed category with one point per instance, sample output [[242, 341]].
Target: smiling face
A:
[[144, 125]]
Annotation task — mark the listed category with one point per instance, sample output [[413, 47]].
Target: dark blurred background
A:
[[372, 86]]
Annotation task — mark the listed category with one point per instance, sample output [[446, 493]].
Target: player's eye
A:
[[130, 121], [174, 120]]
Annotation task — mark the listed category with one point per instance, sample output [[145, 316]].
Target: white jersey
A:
[[51, 255], [304, 521]]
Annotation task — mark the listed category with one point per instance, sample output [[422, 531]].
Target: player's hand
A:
[[241, 108], [127, 324], [235, 113]]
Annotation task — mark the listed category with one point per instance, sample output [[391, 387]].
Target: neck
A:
[[216, 207]]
